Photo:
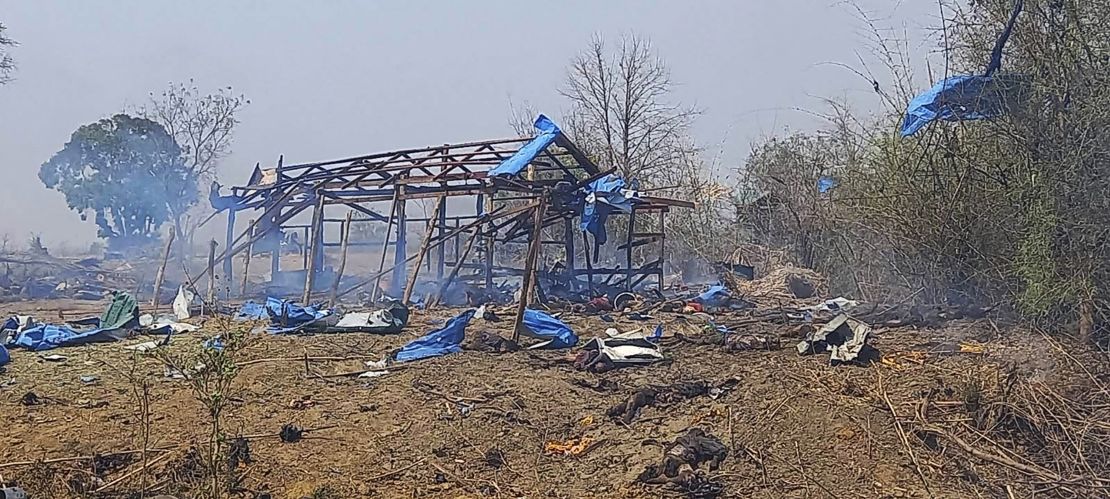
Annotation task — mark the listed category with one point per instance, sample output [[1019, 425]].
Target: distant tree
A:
[[129, 172], [7, 64], [622, 111], [203, 125]]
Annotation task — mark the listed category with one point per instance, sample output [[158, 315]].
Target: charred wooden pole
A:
[[628, 250], [662, 245], [490, 238], [441, 254], [316, 249], [342, 257], [400, 250], [247, 263], [385, 246], [589, 263], [424, 244], [274, 228], [161, 276], [529, 279], [229, 241], [210, 296], [568, 248]]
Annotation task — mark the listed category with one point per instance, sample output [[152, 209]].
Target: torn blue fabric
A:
[[959, 98], [442, 341], [603, 196], [4, 356], [543, 326], [284, 316], [48, 336], [826, 184], [512, 166], [715, 296]]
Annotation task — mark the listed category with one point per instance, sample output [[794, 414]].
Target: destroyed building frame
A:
[[505, 185]]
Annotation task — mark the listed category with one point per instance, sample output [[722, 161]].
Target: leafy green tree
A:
[[129, 172]]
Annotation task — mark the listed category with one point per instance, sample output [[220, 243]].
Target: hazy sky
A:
[[340, 78]]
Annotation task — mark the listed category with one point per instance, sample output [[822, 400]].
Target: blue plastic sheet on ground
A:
[[512, 166], [964, 97], [603, 196], [284, 316], [715, 296], [4, 356], [555, 332], [826, 183], [442, 341], [48, 336]]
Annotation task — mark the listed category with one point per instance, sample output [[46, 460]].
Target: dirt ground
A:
[[475, 424]]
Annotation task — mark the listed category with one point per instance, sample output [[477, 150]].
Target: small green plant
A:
[[211, 371]]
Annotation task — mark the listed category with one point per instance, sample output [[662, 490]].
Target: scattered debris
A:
[[495, 458], [681, 461], [844, 338], [290, 433], [601, 355], [238, 452], [629, 409], [572, 447]]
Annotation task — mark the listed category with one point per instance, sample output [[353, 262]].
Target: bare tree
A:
[[203, 125], [7, 64], [621, 109]]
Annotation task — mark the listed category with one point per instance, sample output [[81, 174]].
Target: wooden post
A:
[[589, 262], [568, 247], [441, 251], [662, 245], [342, 257], [459, 259], [529, 279], [423, 250], [210, 297], [274, 228], [160, 277], [400, 250], [317, 243], [385, 246], [489, 246], [628, 250], [229, 241], [247, 263]]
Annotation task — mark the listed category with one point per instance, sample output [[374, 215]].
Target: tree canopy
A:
[[129, 172]]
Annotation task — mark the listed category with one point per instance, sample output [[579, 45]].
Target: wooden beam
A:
[[314, 251], [530, 269], [424, 245], [342, 257]]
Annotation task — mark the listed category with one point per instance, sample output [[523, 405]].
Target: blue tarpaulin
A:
[[284, 316], [545, 327], [964, 97], [442, 341], [48, 336], [826, 183], [603, 196], [4, 356], [119, 317], [520, 159]]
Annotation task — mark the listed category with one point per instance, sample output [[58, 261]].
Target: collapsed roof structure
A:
[[505, 191]]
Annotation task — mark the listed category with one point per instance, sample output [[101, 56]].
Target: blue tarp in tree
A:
[[555, 332], [603, 196], [548, 132], [964, 97], [442, 341]]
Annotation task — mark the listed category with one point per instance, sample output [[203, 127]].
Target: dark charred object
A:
[[238, 452], [290, 433]]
